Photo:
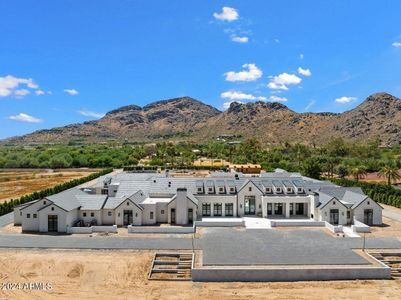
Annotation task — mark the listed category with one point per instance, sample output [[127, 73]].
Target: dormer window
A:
[[300, 190], [221, 190], [268, 190], [232, 190], [289, 190], [210, 190], [278, 190], [200, 190]]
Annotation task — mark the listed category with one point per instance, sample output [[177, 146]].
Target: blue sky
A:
[[65, 62]]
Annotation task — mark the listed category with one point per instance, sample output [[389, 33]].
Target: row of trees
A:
[[380, 193], [8, 206]]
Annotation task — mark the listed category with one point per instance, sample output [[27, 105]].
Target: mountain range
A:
[[185, 118]]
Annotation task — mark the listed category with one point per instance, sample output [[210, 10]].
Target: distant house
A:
[[246, 168], [150, 198]]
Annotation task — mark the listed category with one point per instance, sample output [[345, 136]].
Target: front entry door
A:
[[250, 205], [173, 216], [190, 215], [128, 219], [52, 223], [334, 216], [368, 217]]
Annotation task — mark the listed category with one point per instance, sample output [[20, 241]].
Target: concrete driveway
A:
[[392, 213]]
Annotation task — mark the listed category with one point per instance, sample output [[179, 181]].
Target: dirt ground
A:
[[389, 228], [123, 275], [14, 184]]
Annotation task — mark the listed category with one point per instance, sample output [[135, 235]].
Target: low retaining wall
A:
[[283, 223], [220, 223], [92, 229], [167, 229], [360, 227], [334, 228], [288, 274]]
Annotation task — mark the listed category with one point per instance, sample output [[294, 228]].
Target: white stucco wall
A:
[[106, 219], [360, 209], [161, 217], [211, 199], [136, 213], [97, 215], [334, 204], [61, 216], [245, 192], [32, 224]]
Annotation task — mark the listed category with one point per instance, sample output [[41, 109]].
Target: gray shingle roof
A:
[[91, 202], [67, 200]]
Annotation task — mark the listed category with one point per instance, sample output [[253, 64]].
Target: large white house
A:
[[150, 198]]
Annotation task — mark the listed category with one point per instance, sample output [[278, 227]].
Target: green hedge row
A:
[[379, 192], [8, 206]]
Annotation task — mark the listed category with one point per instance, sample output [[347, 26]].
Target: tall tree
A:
[[358, 172], [390, 172]]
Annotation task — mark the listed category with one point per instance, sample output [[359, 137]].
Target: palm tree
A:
[[358, 172], [390, 173]]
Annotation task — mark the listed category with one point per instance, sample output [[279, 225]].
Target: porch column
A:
[[287, 210]]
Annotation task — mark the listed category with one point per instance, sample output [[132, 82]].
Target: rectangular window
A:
[[199, 190], [232, 190], [84, 214], [151, 215], [268, 190], [289, 190], [109, 213], [210, 190], [217, 209], [206, 209], [35, 216], [250, 189], [278, 208], [28, 215], [229, 207], [221, 190], [278, 190], [348, 214], [162, 212], [300, 190], [92, 214]]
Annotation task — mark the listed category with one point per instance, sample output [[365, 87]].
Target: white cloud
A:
[[239, 39], [345, 99], [39, 92], [226, 105], [282, 81], [228, 14], [396, 44], [71, 92], [10, 84], [251, 74], [92, 114], [305, 72], [22, 92], [277, 41], [301, 56], [236, 95], [25, 118], [277, 99]]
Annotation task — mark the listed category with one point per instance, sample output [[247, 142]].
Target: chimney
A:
[[181, 206]]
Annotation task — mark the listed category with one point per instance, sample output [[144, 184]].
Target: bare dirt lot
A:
[[14, 184], [123, 275]]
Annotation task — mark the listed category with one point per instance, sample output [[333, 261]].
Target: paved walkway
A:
[[257, 223]]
